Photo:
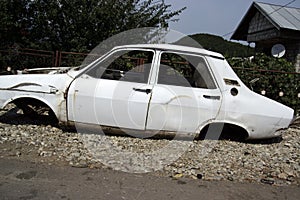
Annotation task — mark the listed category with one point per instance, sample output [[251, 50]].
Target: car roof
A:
[[172, 47]]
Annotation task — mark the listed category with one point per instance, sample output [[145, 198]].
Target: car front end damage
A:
[[36, 93]]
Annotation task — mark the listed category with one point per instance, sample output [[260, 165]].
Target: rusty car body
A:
[[148, 88]]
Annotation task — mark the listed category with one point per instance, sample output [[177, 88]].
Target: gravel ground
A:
[[260, 161]]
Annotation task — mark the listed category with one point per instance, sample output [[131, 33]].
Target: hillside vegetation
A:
[[220, 45]]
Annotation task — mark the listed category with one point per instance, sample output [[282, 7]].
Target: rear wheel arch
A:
[[229, 131]]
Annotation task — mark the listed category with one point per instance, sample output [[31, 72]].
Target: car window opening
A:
[[185, 70]]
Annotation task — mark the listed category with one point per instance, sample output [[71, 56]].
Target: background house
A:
[[267, 25]]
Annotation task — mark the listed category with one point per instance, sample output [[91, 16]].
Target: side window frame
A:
[[216, 86], [126, 50]]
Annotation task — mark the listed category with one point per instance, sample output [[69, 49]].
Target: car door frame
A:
[[70, 103], [155, 82]]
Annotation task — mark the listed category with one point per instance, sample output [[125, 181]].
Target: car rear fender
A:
[[217, 128]]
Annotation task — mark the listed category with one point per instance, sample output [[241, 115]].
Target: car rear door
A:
[[185, 95]]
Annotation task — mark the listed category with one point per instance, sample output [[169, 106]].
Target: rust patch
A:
[[231, 82]]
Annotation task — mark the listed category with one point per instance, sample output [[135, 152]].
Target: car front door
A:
[[114, 92], [186, 95]]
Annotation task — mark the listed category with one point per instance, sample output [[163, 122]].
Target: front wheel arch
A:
[[34, 107]]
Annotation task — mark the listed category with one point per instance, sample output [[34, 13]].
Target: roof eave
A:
[[243, 25], [237, 33]]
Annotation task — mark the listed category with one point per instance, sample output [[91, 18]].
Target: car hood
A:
[[42, 83]]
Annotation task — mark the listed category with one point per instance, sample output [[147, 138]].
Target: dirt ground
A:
[[26, 177], [26, 180]]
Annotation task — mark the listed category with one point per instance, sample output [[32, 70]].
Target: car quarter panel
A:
[[259, 115]]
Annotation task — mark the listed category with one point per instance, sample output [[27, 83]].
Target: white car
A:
[[150, 88]]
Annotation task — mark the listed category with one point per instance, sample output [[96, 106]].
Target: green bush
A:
[[275, 76]]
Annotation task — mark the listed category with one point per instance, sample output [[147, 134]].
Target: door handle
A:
[[212, 97], [147, 91]]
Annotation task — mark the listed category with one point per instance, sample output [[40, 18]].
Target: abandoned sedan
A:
[[158, 87]]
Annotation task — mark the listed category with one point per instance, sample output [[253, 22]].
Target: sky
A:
[[218, 17]]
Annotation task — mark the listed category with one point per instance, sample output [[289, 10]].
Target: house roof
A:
[[280, 16]]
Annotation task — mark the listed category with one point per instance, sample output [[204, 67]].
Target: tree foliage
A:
[[76, 25]]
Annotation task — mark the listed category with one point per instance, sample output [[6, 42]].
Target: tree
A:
[[12, 22], [76, 25]]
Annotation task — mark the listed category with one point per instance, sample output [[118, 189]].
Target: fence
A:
[[26, 58], [21, 58], [67, 59]]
